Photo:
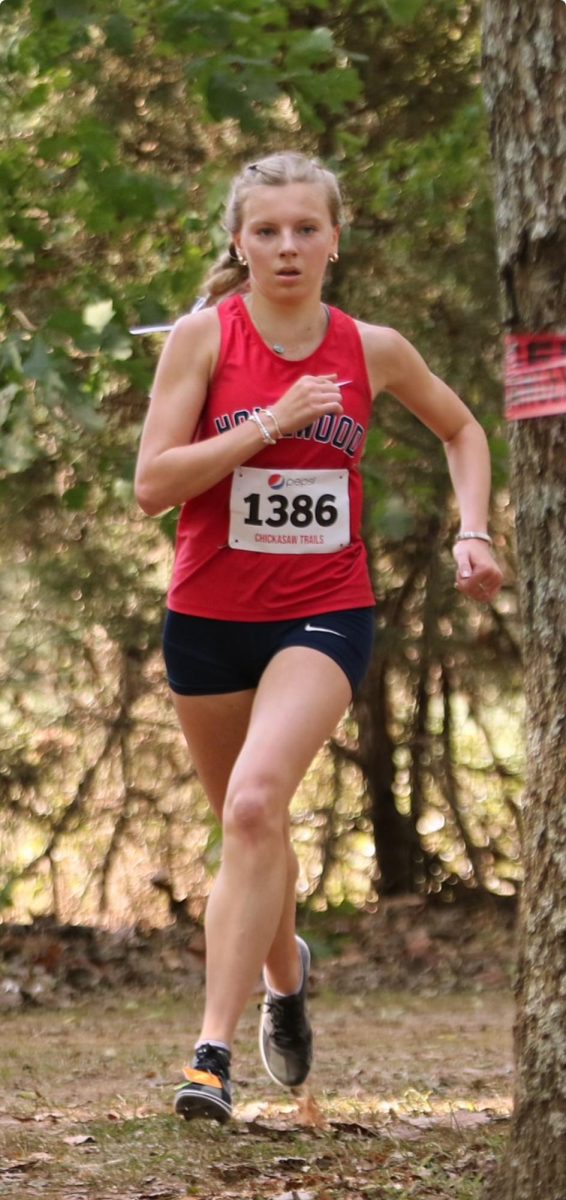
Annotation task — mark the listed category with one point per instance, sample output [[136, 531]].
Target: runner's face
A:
[[287, 237]]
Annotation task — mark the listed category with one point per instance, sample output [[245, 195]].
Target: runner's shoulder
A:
[[380, 338], [195, 337], [385, 351], [194, 325]]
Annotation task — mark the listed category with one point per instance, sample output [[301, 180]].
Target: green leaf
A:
[[213, 848], [37, 365], [74, 10], [85, 415], [120, 350], [119, 34], [393, 519], [7, 394], [168, 524], [64, 320], [35, 98], [315, 45], [6, 892], [98, 314], [18, 449], [403, 12], [227, 97], [76, 497]]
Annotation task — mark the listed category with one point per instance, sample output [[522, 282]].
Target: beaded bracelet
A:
[[268, 439]]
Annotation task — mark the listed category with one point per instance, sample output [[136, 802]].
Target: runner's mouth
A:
[[289, 271]]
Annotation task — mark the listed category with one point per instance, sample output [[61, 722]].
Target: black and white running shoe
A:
[[206, 1091], [285, 1034]]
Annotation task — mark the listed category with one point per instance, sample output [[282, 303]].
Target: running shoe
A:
[[206, 1091], [285, 1034]]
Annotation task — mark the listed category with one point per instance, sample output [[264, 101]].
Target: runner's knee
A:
[[253, 809]]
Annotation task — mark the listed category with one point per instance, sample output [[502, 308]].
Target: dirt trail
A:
[[409, 1097]]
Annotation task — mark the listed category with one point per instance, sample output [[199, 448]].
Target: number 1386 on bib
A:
[[289, 512]]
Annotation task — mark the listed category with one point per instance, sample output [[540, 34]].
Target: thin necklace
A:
[[276, 346]]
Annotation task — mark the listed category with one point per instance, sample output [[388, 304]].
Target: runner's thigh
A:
[[300, 698], [215, 729]]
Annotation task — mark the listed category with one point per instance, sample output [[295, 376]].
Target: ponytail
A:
[[226, 277]]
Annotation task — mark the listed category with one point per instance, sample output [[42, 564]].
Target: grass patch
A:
[[408, 1099]]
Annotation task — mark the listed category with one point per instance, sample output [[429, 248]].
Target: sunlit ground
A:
[[408, 1097]]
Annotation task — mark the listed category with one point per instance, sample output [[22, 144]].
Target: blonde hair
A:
[[228, 275]]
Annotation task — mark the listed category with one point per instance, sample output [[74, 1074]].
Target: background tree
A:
[[120, 129], [419, 254], [524, 54]]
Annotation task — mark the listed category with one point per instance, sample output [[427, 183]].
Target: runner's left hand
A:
[[478, 576]]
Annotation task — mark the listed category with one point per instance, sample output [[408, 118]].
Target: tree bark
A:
[[397, 847], [524, 52]]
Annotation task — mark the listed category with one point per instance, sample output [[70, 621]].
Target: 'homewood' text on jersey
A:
[[279, 537]]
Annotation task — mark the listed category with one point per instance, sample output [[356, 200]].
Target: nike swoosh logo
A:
[[320, 629]]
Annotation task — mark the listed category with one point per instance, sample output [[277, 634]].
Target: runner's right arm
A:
[[170, 467]]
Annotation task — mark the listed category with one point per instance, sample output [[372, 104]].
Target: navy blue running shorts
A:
[[205, 657]]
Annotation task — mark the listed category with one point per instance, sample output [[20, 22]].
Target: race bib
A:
[[289, 512]]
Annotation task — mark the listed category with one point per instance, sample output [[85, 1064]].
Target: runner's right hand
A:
[[311, 397]]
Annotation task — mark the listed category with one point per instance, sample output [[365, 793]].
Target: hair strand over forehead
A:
[[276, 170]]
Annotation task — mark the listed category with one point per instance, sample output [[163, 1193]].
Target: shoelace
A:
[[287, 1019], [213, 1059]]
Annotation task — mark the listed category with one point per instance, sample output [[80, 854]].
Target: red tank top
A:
[[212, 578]]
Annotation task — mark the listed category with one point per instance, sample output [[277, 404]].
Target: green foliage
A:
[[84, 194], [120, 126], [403, 12]]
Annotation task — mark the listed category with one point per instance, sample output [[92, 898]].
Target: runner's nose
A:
[[287, 245]]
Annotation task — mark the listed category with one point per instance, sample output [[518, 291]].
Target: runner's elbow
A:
[[150, 507], [147, 498]]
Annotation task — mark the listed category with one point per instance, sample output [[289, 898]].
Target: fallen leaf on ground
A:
[[24, 1164], [369, 1131], [158, 1194], [300, 1195], [252, 1110], [309, 1113], [458, 1116]]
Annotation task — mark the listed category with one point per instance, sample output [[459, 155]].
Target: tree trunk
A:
[[524, 57], [397, 846]]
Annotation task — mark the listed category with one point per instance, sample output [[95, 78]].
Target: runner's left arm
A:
[[397, 367]]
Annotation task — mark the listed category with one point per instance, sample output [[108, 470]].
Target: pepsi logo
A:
[[276, 481]]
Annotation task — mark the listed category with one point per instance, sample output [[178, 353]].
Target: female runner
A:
[[256, 426]]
